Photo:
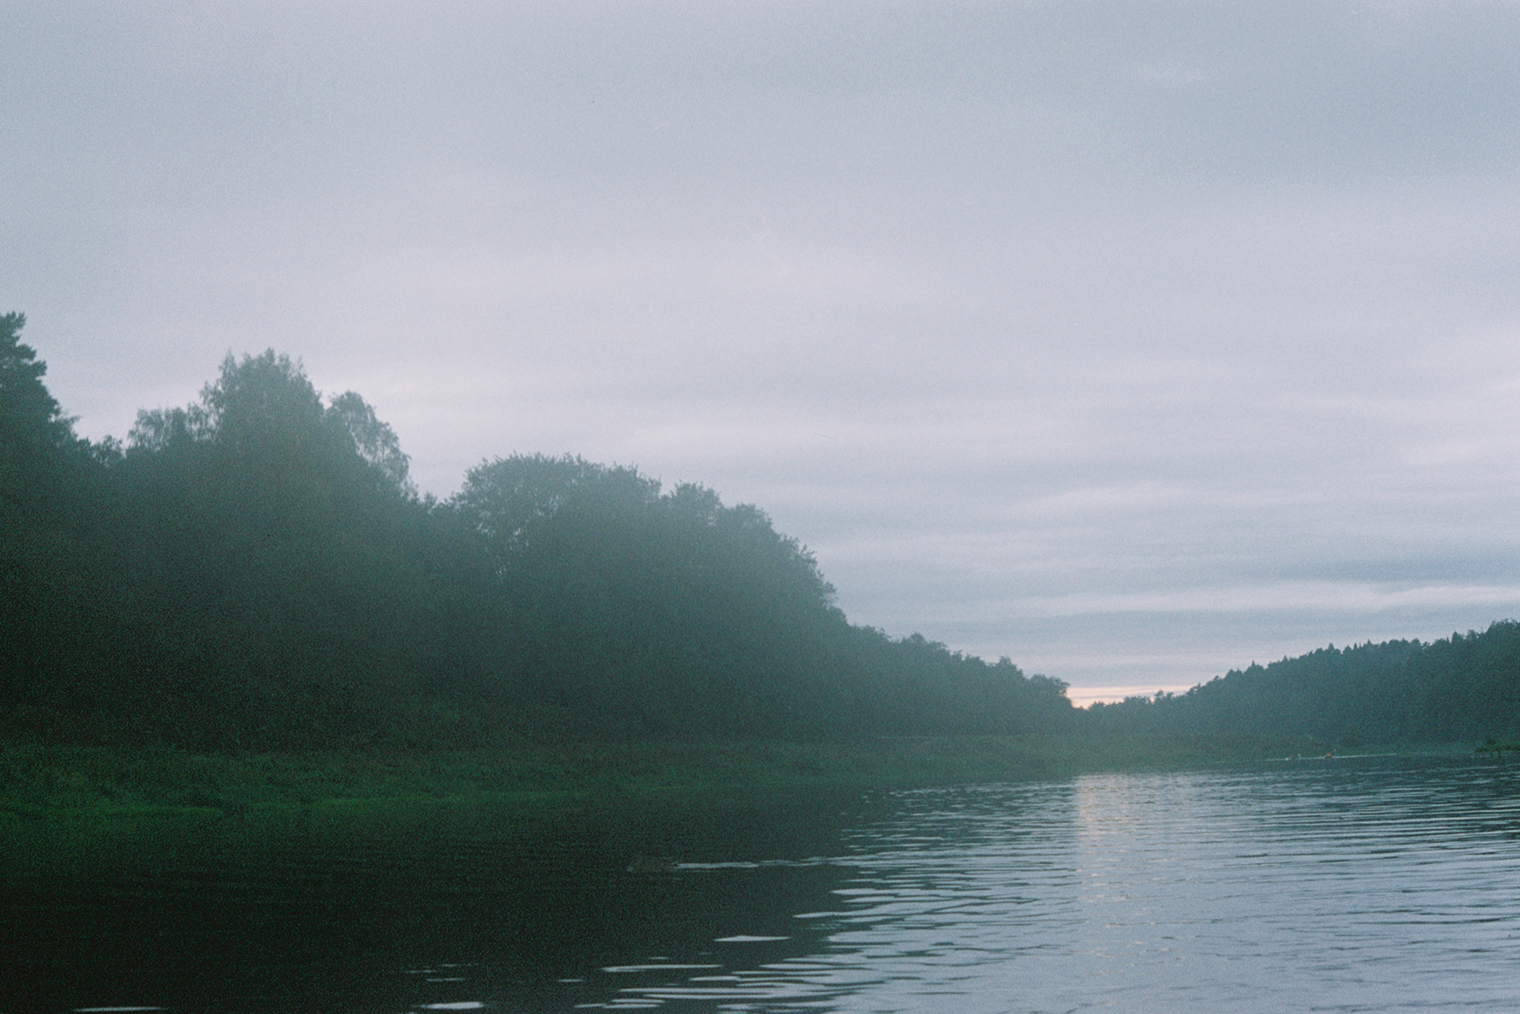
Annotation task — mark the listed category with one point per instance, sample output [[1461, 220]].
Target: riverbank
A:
[[82, 812]]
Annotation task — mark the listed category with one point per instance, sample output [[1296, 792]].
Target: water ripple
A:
[[1352, 885]]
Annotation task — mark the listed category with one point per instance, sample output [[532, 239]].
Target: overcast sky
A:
[[1135, 342]]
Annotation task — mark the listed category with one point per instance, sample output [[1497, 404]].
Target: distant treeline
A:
[[256, 571], [1466, 687]]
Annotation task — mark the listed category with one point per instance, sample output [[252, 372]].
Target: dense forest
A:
[[1466, 687], [256, 571]]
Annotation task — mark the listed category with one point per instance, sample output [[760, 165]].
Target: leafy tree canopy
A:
[[526, 504], [511, 501], [32, 427], [265, 404]]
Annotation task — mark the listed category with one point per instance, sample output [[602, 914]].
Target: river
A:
[[1354, 884]]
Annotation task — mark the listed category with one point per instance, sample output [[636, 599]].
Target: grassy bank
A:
[[68, 812]]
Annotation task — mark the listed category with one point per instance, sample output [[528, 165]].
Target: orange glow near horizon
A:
[[1084, 696]]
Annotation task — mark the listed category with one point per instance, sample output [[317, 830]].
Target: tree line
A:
[[1462, 688], [256, 570]]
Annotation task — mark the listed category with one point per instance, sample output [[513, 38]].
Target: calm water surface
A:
[[1367, 884]]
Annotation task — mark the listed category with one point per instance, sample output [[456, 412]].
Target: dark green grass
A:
[[78, 812]]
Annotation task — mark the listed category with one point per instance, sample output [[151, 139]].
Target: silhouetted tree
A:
[[55, 560]]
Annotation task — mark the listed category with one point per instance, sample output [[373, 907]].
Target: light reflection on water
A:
[[1356, 884]]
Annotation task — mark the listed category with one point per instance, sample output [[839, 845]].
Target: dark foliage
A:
[[53, 558], [1466, 687], [255, 570]]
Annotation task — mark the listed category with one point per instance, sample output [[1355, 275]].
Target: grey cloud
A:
[[1108, 337]]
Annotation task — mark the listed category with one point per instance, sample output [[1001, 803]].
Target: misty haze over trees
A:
[[256, 570], [1466, 687]]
